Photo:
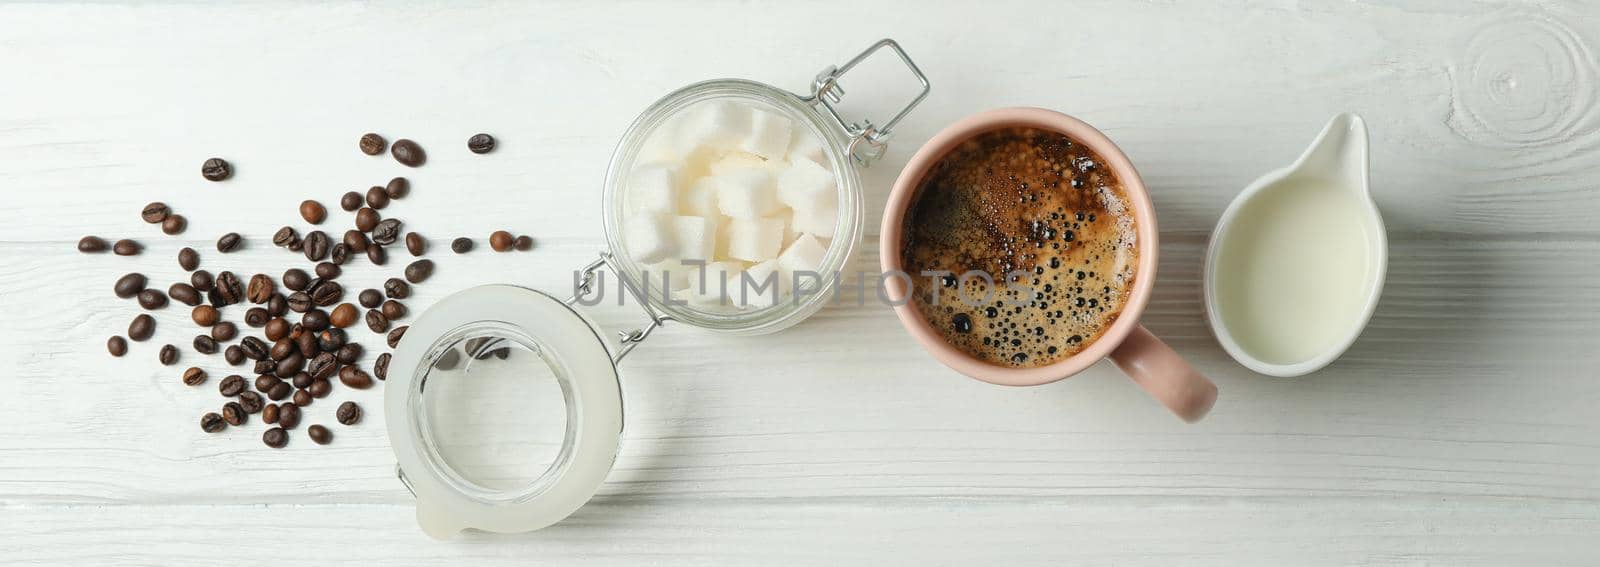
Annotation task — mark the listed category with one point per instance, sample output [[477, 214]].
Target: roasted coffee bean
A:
[[92, 244], [299, 302], [282, 348], [216, 169], [174, 225], [461, 245], [397, 188], [188, 259], [260, 289], [142, 327], [168, 355], [449, 360], [204, 344], [296, 279], [500, 241], [354, 377], [117, 346], [523, 243], [289, 365], [202, 281], [251, 402], [275, 438], [370, 298], [184, 293], [377, 255], [395, 335], [306, 343], [319, 434], [396, 288], [126, 247], [194, 376], [380, 367], [328, 271], [416, 244], [296, 246], [316, 246], [269, 413], [320, 388], [229, 288], [344, 315], [224, 331], [212, 422], [215, 298], [418, 271], [376, 321], [276, 328], [152, 299], [323, 366], [233, 355], [232, 386], [288, 416], [393, 310], [480, 143], [233, 413], [301, 398], [313, 211], [326, 292], [156, 212], [339, 254], [372, 144], [408, 153], [367, 219], [349, 353], [253, 348], [264, 366], [257, 317], [277, 305], [229, 242], [315, 320], [301, 379], [350, 201], [129, 285], [348, 413], [355, 240], [387, 231], [376, 198], [280, 391], [285, 236], [265, 382]]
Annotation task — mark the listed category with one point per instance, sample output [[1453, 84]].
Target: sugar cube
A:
[[715, 124], [665, 277], [769, 135], [758, 286], [652, 188], [755, 239], [820, 222], [804, 185], [789, 233], [805, 255], [709, 283], [696, 237], [650, 237], [805, 145], [699, 198], [747, 193], [737, 160]]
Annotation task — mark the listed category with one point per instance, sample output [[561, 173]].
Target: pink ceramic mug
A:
[[1147, 360]]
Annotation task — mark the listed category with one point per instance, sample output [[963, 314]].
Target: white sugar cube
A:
[[789, 233], [650, 238], [696, 237], [805, 255], [760, 285], [715, 124], [804, 185], [755, 239], [769, 135], [737, 160], [709, 283], [652, 188], [805, 145], [820, 222], [747, 193], [699, 198]]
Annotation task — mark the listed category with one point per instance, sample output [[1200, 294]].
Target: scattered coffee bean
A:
[[387, 231], [328, 271], [418, 271], [306, 343], [276, 438], [376, 321], [416, 244], [523, 243], [233, 355], [316, 246], [350, 201], [285, 237], [393, 310], [296, 246], [188, 259], [152, 299], [280, 391], [315, 320], [261, 289], [229, 242], [348, 354], [253, 348], [372, 144], [204, 315], [380, 367], [302, 398], [325, 292], [500, 241], [269, 413], [348, 413], [299, 302], [276, 329], [126, 247], [461, 245], [480, 143], [302, 379], [377, 198], [319, 434], [117, 346], [156, 212], [216, 169], [142, 327], [212, 422], [355, 240], [204, 344], [194, 376], [91, 244], [229, 288], [288, 416], [296, 279], [377, 255], [264, 366], [174, 225], [201, 280], [344, 315], [408, 153], [168, 355], [232, 386], [313, 211], [449, 360], [397, 188], [354, 377], [370, 298], [396, 335], [233, 413], [129, 285], [323, 366], [251, 402], [257, 317], [224, 331], [184, 293], [367, 219], [265, 382]]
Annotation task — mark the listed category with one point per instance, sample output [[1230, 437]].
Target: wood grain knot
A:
[[1522, 79]]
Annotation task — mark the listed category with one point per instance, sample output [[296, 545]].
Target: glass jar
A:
[[504, 404]]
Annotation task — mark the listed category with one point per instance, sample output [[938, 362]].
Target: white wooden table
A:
[[1463, 428]]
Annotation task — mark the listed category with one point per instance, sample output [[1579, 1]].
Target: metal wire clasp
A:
[[867, 141], [629, 339]]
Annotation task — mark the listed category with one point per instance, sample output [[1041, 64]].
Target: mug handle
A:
[[1165, 375]]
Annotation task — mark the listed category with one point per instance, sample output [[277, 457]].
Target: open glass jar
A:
[[503, 404]]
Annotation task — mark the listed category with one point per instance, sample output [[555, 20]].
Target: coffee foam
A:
[[1035, 205]]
